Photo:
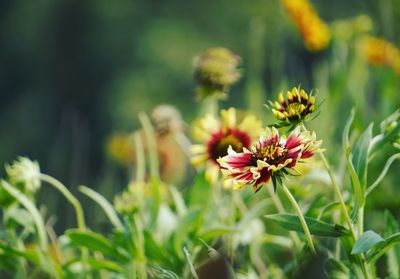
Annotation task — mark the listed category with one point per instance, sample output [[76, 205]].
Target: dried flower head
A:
[[272, 157], [297, 107], [217, 135], [24, 174], [315, 32], [216, 71], [166, 119], [379, 52]]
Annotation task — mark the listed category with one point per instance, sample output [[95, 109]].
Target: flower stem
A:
[[140, 159], [152, 144], [279, 206], [338, 194], [301, 217], [68, 195], [364, 264]]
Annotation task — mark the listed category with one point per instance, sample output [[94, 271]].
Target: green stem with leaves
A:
[[301, 217], [345, 212]]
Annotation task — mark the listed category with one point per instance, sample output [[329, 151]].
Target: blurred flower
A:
[[24, 174], [166, 119], [315, 32], [379, 52], [298, 106], [217, 135], [120, 147], [172, 144], [129, 201], [216, 71], [272, 157]]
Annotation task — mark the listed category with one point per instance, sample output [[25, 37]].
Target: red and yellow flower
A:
[[273, 156], [217, 135], [297, 107]]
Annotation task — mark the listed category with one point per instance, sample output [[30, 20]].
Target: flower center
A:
[[295, 110], [220, 142], [225, 142], [271, 154]]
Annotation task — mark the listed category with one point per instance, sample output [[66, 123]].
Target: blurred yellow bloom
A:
[[315, 32], [216, 135], [380, 52], [121, 148]]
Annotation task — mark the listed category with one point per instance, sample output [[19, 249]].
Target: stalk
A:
[[301, 217], [279, 206], [68, 195]]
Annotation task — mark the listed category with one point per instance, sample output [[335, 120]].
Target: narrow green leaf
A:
[[383, 172], [316, 227], [155, 185], [384, 247], [216, 231], [32, 256], [31, 208], [366, 241], [355, 181], [104, 204], [96, 242], [360, 156]]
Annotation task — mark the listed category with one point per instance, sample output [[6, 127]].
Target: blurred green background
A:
[[73, 72]]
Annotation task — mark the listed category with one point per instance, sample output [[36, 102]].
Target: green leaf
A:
[[316, 227], [355, 181], [384, 247], [155, 185], [210, 233], [366, 241], [156, 253], [19, 216], [360, 155], [32, 256], [383, 172], [104, 204], [96, 242]]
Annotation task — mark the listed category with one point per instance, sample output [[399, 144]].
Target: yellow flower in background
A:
[[120, 147], [216, 135], [379, 52], [314, 31]]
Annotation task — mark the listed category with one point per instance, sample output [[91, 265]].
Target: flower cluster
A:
[[216, 71], [378, 52], [274, 156], [25, 174], [315, 32], [216, 135], [298, 106]]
